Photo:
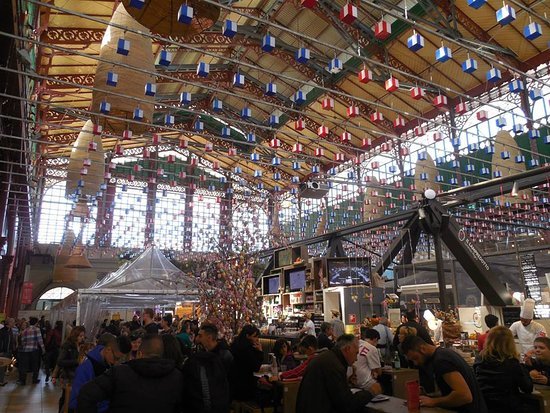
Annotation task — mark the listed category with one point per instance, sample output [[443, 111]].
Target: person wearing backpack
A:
[[205, 372]]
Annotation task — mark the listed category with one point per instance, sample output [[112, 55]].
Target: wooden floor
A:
[[30, 398]]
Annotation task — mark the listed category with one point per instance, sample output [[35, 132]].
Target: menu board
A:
[[530, 277]]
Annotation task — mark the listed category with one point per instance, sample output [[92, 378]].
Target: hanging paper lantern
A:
[[501, 122], [532, 31], [365, 75], [323, 131], [112, 79], [217, 105], [482, 115], [339, 157], [255, 157], [335, 66], [123, 46], [297, 148], [270, 89], [185, 14], [443, 54], [505, 15], [366, 143], [319, 152], [392, 84], [473, 147], [299, 124], [299, 97], [246, 113], [516, 86], [476, 4], [203, 69], [138, 114], [328, 103], [353, 111], [437, 136], [232, 152], [417, 93], [376, 117], [517, 128], [273, 120], [440, 101], [229, 28], [415, 42], [268, 43], [348, 13], [419, 130], [208, 147], [398, 122], [146, 154], [238, 80], [469, 65], [275, 143], [165, 58], [127, 134], [382, 30], [533, 134], [493, 75], [461, 108], [105, 107], [345, 137], [169, 120], [302, 55], [150, 89]]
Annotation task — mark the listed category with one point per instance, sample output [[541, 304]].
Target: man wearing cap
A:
[[337, 324], [526, 330]]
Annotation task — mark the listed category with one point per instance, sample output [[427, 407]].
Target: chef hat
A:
[[527, 310]]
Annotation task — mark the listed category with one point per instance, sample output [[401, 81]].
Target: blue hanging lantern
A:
[[440, 160], [490, 150], [439, 178], [493, 75], [315, 169], [150, 89], [469, 65], [335, 66], [198, 126], [255, 157], [246, 113], [112, 79], [273, 120], [185, 98], [476, 4], [422, 156], [203, 69], [226, 132], [443, 54], [268, 43], [505, 15], [217, 105], [138, 114], [137, 4], [533, 134], [258, 173], [470, 167], [123, 46], [276, 161], [473, 147], [519, 159], [295, 179], [296, 166], [229, 28], [105, 107], [271, 89], [251, 137], [302, 55], [505, 155], [185, 14], [169, 120], [535, 94], [415, 42], [534, 163], [165, 58], [532, 31], [455, 142], [516, 86], [517, 128], [423, 176], [299, 97], [501, 122], [238, 80], [497, 174], [276, 176], [485, 171]]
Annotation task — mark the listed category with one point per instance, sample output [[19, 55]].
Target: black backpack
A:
[[206, 385]]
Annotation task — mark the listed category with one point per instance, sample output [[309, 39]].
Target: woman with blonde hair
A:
[[500, 374]]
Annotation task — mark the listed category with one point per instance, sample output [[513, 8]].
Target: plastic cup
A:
[[413, 396]]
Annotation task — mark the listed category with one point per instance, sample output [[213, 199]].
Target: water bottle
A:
[[274, 368], [396, 361]]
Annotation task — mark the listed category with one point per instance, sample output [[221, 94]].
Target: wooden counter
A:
[[396, 405]]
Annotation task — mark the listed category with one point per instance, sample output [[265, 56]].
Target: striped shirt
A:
[[31, 340]]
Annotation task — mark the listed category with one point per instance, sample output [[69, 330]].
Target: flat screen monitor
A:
[[348, 271], [297, 280], [271, 285]]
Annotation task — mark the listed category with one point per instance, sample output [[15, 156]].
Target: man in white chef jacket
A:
[[526, 330]]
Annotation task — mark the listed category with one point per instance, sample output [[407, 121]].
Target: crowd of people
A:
[[199, 371]]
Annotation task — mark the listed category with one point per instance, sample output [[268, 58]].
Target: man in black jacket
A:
[[324, 387], [130, 387], [7, 346]]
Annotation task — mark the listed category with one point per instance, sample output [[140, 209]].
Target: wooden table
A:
[[396, 405]]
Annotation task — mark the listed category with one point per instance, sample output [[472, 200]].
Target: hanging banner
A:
[[26, 293]]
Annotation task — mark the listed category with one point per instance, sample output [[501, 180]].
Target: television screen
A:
[[348, 271], [297, 280], [272, 285]]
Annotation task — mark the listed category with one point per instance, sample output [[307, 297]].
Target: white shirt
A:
[[310, 327], [368, 359], [526, 335], [386, 335]]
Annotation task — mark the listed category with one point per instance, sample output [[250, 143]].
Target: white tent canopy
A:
[[149, 280]]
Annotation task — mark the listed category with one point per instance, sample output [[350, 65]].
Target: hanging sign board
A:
[[26, 293], [352, 318]]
